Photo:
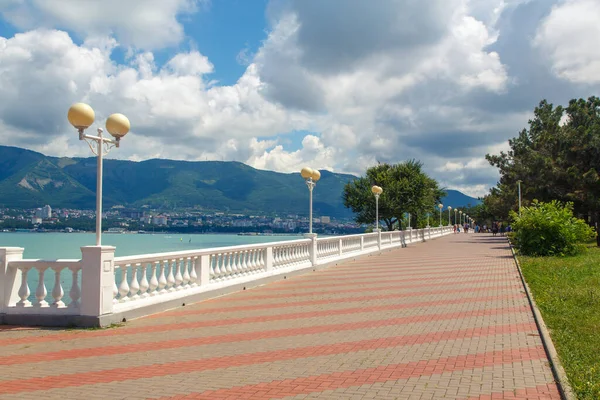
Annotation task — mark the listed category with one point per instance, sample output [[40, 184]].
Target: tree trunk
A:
[[596, 225]]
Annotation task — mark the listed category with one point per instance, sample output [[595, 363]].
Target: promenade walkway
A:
[[445, 319]]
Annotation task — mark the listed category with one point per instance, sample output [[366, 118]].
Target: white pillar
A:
[[204, 272], [269, 258], [379, 239], [10, 279], [313, 247], [97, 280]]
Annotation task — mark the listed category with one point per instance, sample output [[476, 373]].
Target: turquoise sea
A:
[[51, 246]]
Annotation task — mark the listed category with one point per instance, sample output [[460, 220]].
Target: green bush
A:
[[550, 229]]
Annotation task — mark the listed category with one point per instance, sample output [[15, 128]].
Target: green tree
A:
[[557, 158], [406, 189]]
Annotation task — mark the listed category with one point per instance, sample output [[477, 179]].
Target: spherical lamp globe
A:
[[81, 115], [306, 172], [117, 125], [376, 190], [440, 205], [316, 175], [449, 208]]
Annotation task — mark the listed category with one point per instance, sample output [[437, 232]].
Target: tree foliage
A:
[[549, 229], [406, 189], [557, 158]]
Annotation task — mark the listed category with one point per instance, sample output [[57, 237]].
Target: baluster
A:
[[253, 263], [187, 264], [193, 275], [134, 286], [162, 279], [115, 288], [41, 292], [124, 286], [24, 289], [178, 275], [217, 267], [153, 281], [144, 285], [230, 260], [244, 263], [235, 264], [57, 290], [75, 292], [275, 257], [214, 266], [171, 276]]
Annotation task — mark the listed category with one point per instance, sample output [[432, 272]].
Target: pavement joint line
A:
[[187, 342], [281, 332], [394, 372], [223, 362], [506, 285]]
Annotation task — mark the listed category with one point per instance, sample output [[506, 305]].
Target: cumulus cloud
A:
[[443, 81], [145, 24], [570, 36]]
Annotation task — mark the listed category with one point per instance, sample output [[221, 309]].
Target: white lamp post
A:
[[455, 211], [377, 192], [311, 176], [82, 116], [449, 209], [519, 183], [460, 217], [440, 206]]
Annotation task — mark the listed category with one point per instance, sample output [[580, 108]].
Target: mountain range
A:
[[29, 179]]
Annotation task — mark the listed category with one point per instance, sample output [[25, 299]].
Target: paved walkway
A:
[[446, 319]]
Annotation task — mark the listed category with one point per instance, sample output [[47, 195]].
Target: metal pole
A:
[[377, 212], [448, 217], [440, 217], [310, 218], [99, 190]]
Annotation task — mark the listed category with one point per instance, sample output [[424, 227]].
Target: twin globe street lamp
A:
[[377, 192], [82, 116], [311, 176]]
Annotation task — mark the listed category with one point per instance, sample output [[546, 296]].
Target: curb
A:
[[566, 393]]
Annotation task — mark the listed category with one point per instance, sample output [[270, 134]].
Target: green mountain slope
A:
[[29, 179]]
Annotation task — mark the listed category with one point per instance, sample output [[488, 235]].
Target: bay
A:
[[53, 245]]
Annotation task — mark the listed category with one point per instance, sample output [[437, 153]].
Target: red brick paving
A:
[[451, 321]]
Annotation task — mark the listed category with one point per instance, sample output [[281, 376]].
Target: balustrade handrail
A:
[[202, 252], [41, 263]]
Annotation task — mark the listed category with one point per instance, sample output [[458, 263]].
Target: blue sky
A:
[[336, 86]]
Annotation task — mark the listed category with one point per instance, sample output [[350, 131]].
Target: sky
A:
[[281, 84]]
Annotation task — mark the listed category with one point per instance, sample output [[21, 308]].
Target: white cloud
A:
[[146, 24], [569, 36], [434, 88]]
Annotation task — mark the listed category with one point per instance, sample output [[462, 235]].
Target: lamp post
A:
[[460, 217], [82, 116], [449, 209], [311, 176], [455, 211], [519, 183], [377, 192], [440, 206]]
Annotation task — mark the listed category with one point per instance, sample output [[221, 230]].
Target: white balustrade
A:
[[38, 287], [44, 274]]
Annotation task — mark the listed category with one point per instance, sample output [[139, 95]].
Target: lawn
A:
[[567, 292]]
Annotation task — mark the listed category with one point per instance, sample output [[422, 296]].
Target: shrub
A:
[[550, 229]]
